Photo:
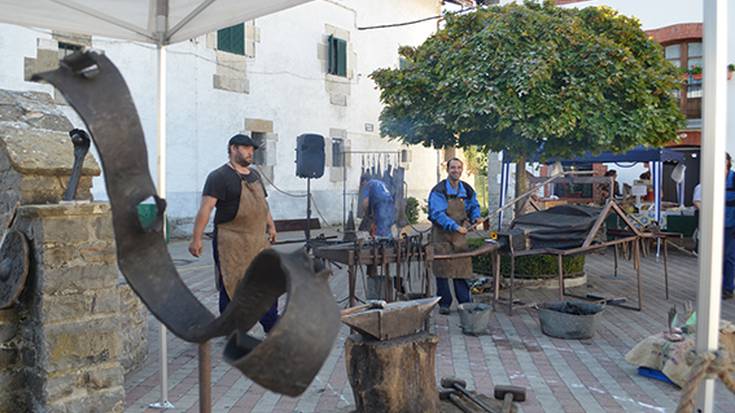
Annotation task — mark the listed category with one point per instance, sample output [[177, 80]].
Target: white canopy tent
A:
[[163, 22], [159, 22]]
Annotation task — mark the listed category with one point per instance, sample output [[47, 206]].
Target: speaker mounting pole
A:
[[307, 231]]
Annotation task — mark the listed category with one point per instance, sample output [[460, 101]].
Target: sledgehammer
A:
[[459, 385], [509, 394]]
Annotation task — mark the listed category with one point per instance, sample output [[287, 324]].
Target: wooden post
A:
[[393, 376]]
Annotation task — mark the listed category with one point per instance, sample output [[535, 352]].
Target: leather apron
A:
[[448, 242], [240, 240]]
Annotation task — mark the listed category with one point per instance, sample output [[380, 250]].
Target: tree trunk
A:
[[521, 184], [393, 376]]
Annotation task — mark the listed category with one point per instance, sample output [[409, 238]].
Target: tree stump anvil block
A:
[[393, 376]]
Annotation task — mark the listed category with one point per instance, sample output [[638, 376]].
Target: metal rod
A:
[[205, 378], [637, 264], [666, 266], [560, 261]]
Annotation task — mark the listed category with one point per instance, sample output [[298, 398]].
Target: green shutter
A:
[[336, 56], [341, 57], [232, 39]]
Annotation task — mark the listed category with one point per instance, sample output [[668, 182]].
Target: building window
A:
[[338, 147], [259, 157], [337, 62], [687, 56], [232, 39], [66, 49]]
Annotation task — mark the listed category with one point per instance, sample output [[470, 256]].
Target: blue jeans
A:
[[461, 290], [268, 320], [728, 264]]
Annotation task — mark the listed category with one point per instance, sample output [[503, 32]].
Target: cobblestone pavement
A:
[[561, 375]]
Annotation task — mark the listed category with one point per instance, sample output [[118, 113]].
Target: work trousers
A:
[[461, 290], [728, 264]]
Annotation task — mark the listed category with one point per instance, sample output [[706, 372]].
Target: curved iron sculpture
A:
[[14, 265], [287, 360]]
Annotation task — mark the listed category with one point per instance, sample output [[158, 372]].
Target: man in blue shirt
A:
[[453, 207], [379, 205]]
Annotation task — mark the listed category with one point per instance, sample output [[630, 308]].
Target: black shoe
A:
[[443, 310], [727, 295]]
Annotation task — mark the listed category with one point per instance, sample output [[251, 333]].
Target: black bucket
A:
[[569, 319]]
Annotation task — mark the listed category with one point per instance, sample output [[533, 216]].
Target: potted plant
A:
[[696, 72], [730, 70], [684, 73]]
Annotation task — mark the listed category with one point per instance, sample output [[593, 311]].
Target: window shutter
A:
[[331, 55], [341, 57], [232, 39]]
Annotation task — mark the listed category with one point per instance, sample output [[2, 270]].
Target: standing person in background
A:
[[378, 204], [453, 207], [241, 221], [728, 253]]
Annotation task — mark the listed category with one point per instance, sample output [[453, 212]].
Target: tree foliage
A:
[[524, 77]]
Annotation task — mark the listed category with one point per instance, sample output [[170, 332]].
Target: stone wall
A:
[[69, 326], [77, 326]]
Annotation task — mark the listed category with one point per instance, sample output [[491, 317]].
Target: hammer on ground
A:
[[509, 394], [459, 385], [452, 396]]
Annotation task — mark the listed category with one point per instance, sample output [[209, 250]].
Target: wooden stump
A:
[[393, 376]]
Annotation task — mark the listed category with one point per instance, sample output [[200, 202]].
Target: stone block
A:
[[338, 100], [337, 85], [8, 355], [99, 377], [65, 230], [231, 84], [11, 385], [8, 324], [102, 227], [77, 276], [43, 152], [133, 322], [259, 125], [84, 343], [76, 306], [108, 401]]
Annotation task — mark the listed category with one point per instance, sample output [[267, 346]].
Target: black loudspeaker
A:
[[309, 155]]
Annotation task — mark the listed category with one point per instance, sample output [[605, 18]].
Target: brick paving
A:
[[560, 375]]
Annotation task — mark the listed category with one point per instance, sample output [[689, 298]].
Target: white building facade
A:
[[275, 85]]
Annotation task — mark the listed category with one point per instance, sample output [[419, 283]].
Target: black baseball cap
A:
[[244, 140]]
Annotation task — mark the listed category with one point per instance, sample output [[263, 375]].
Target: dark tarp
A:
[[560, 227]]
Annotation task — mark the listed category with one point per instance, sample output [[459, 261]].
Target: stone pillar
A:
[[68, 315], [76, 327]]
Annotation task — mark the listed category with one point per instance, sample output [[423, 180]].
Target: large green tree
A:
[[523, 77]]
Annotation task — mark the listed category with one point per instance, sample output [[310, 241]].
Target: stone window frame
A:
[[336, 172], [269, 144], [231, 68], [338, 87]]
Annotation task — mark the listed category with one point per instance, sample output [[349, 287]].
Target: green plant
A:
[[695, 70], [533, 266], [518, 76], [731, 67], [412, 210]]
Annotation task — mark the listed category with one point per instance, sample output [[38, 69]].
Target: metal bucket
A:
[[569, 319], [474, 318]]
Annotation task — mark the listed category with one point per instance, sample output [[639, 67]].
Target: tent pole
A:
[[163, 403], [713, 184]]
